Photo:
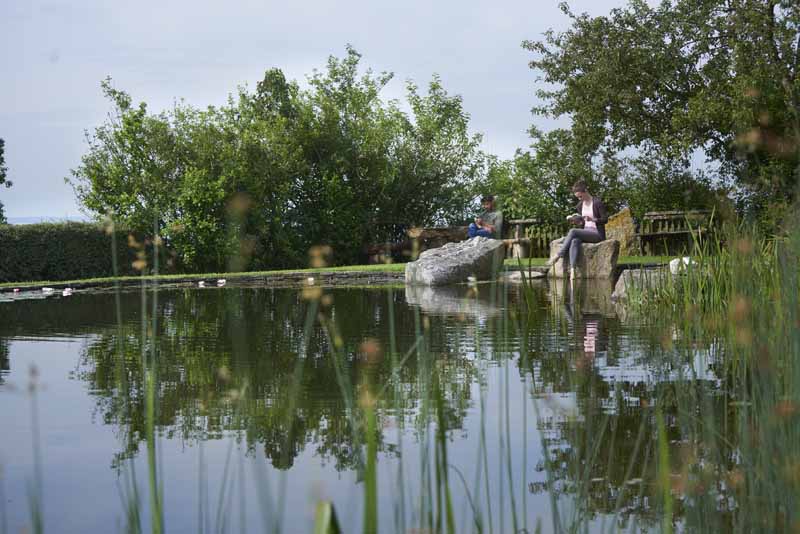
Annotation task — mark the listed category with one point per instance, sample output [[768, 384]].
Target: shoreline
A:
[[336, 276]]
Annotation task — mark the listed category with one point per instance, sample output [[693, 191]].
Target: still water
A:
[[259, 397]]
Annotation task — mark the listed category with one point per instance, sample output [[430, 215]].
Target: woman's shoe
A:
[[573, 273]]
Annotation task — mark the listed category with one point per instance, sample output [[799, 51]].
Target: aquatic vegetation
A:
[[528, 408]]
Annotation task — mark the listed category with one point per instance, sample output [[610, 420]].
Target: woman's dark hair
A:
[[579, 187], [487, 198]]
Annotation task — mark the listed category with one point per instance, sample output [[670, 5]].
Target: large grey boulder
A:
[[597, 260], [643, 280], [453, 263]]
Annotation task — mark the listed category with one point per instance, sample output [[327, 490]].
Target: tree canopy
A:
[[259, 181], [715, 76]]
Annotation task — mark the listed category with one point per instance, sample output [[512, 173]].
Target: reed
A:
[[705, 455]]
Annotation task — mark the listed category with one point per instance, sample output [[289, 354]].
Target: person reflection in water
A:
[[587, 329], [591, 329]]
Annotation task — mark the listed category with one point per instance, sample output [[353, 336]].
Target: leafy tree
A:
[[132, 167], [686, 75], [538, 183], [259, 181], [3, 176]]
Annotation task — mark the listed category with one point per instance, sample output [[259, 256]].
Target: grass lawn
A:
[[381, 268]]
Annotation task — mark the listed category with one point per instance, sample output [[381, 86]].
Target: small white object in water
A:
[[47, 290], [201, 284], [67, 292], [16, 290], [679, 264], [310, 280], [221, 282]]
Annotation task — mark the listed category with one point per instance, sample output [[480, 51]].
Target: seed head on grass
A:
[[370, 351], [319, 256], [224, 374], [108, 225], [740, 309], [786, 409], [365, 398], [743, 246], [311, 293], [33, 379]]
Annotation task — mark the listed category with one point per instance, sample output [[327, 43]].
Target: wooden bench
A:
[[520, 245], [524, 244], [668, 224]]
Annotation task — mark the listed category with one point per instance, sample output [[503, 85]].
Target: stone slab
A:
[[597, 260], [479, 258]]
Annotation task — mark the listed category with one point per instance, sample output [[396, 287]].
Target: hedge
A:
[[61, 251]]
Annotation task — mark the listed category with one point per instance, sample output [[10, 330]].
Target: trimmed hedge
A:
[[61, 251]]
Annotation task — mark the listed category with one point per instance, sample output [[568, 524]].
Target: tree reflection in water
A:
[[227, 360]]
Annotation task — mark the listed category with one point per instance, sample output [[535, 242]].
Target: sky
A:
[[55, 54]]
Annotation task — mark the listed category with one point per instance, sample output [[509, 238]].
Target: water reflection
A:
[[479, 300], [5, 364], [235, 361]]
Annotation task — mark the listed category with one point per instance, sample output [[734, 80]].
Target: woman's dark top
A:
[[599, 213]]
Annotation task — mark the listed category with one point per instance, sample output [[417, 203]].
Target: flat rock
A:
[[455, 263], [641, 279], [597, 260]]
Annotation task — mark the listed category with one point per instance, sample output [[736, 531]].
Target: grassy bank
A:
[[181, 278], [178, 278]]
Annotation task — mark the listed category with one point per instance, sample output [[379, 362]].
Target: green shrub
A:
[[62, 251]]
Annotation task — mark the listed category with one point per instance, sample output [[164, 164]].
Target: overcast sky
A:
[[55, 53]]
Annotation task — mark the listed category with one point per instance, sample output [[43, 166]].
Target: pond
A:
[[241, 408]]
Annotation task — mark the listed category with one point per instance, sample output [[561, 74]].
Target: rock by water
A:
[[621, 227], [641, 279], [455, 263], [597, 260]]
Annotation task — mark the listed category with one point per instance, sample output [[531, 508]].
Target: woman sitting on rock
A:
[[592, 219]]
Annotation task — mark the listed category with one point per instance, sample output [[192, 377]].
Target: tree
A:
[[538, 182], [132, 167], [687, 75], [3, 176], [256, 183]]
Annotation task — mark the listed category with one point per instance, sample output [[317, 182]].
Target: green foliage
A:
[[538, 183], [3, 176], [681, 77], [64, 251], [256, 183]]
